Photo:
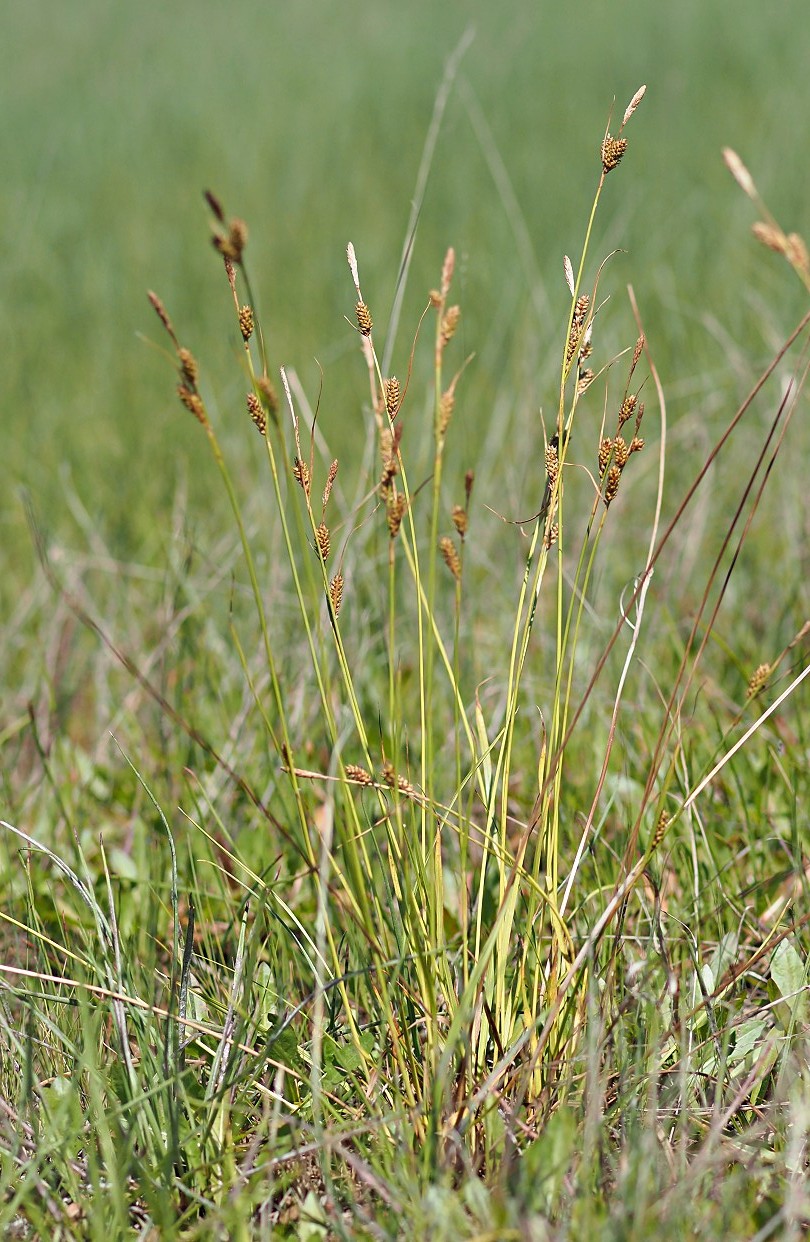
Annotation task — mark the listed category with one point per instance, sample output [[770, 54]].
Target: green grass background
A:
[[308, 120]]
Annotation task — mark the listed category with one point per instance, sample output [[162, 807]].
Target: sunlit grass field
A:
[[412, 846]]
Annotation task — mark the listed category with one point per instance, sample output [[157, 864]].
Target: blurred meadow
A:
[[309, 120]]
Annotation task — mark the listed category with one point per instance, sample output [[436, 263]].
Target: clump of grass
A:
[[456, 995]]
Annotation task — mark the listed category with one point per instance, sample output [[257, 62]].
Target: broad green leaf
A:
[[788, 972]]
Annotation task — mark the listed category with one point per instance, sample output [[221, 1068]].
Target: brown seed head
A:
[[395, 511], [771, 236], [193, 401], [627, 408], [636, 444], [552, 461], [612, 151], [460, 521], [446, 407], [336, 593], [660, 829], [758, 680], [162, 314], [450, 556], [364, 321], [215, 205], [796, 253], [188, 367], [620, 452], [330, 478], [232, 244], [393, 395], [613, 478], [389, 473], [469, 479], [553, 534], [230, 272], [637, 353], [435, 298], [238, 238], [323, 541], [246, 322], [358, 775], [397, 782], [586, 378], [301, 474], [577, 323], [639, 417], [257, 413], [605, 450], [450, 323]]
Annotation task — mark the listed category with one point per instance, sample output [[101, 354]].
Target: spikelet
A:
[[605, 450], [460, 520], [323, 541], [389, 473], [446, 406], [232, 244], [577, 322], [449, 324], [660, 829], [397, 782], [639, 346], [639, 416], [301, 474], [395, 511], [188, 367], [358, 775], [620, 452], [246, 322], [256, 411], [552, 460], [364, 321], [162, 314], [613, 478], [586, 378], [553, 535], [633, 104], [770, 235], [392, 391], [215, 205], [336, 593], [612, 151], [739, 172], [469, 479], [627, 408], [758, 680], [636, 444], [193, 402], [796, 253], [569, 274], [330, 479], [450, 556]]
